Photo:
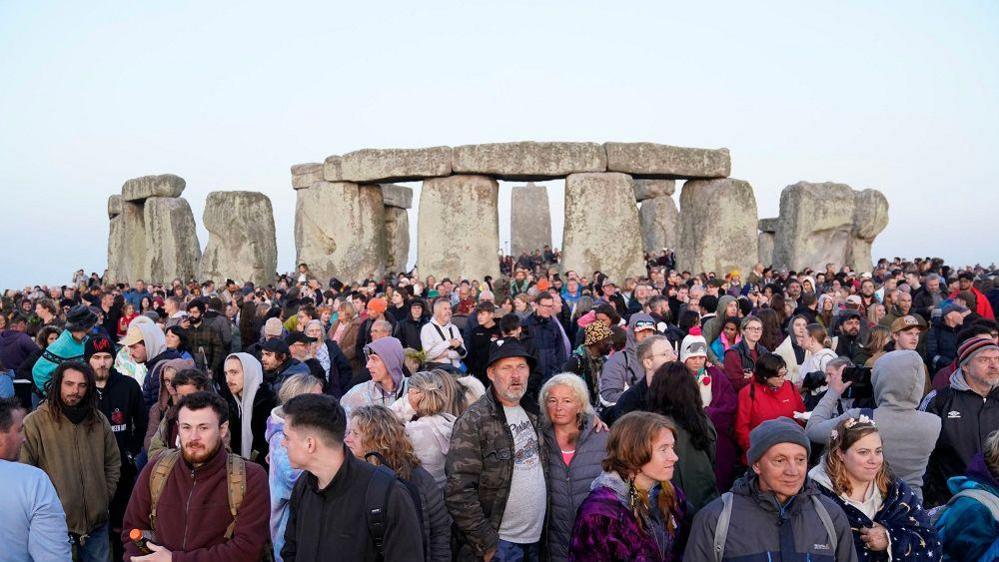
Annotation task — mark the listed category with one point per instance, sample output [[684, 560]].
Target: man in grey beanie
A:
[[773, 511]]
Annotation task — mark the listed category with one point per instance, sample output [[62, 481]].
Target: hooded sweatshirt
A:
[[623, 370], [967, 528], [368, 393], [713, 327], [247, 406], [909, 435]]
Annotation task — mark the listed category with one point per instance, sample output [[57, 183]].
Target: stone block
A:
[[172, 248], [602, 230], [767, 240], [458, 228], [718, 226], [650, 189], [650, 160], [398, 196], [768, 225], [163, 185], [304, 175], [386, 165], [660, 222], [340, 230], [127, 245], [529, 161], [530, 219], [242, 244], [396, 239], [114, 206]]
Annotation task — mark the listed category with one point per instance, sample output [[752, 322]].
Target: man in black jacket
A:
[[329, 510]]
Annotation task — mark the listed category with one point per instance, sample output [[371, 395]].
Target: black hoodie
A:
[[121, 403]]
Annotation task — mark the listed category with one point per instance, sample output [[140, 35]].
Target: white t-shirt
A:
[[524, 515]]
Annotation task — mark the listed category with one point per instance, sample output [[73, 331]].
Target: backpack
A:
[[721, 527], [990, 501], [376, 498], [235, 467]]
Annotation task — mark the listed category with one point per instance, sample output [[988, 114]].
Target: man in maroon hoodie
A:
[[192, 515]]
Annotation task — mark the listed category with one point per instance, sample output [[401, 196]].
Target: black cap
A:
[[509, 347], [80, 319], [275, 346], [298, 337]]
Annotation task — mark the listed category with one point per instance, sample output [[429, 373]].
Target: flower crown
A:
[[861, 422]]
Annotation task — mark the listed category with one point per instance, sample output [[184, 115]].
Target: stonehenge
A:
[[352, 216]]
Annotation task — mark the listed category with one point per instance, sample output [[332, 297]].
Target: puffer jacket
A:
[[569, 485], [479, 470], [550, 343], [82, 461], [761, 529], [622, 370], [436, 520], [941, 345], [967, 528]]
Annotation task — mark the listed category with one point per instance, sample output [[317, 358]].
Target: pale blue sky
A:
[[898, 96]]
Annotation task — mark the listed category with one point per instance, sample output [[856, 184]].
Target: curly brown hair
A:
[[842, 439], [383, 433]]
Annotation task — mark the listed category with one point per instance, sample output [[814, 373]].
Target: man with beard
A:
[[119, 398], [71, 440], [200, 501], [848, 343], [275, 356], [205, 342]]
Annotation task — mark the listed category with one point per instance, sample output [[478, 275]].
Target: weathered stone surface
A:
[[114, 206], [718, 223], [530, 219], [392, 164], [824, 223], [660, 222], [767, 240], [398, 196], [768, 225], [530, 161], [127, 245], [649, 189], [458, 227], [241, 240], [602, 229], [304, 175], [164, 185], [396, 239], [340, 230], [650, 160], [172, 248]]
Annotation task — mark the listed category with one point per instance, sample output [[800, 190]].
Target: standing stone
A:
[[164, 185], [649, 189], [398, 196], [396, 239], [768, 230], [304, 175], [717, 226], [660, 222], [340, 230], [241, 241], [458, 228], [114, 206], [870, 217], [530, 161], [127, 245], [172, 248], [650, 160], [602, 229], [384, 165], [530, 219]]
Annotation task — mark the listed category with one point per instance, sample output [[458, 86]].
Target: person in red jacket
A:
[[965, 282], [193, 520], [769, 396]]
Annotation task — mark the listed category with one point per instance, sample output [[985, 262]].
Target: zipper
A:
[[83, 480], [187, 509]]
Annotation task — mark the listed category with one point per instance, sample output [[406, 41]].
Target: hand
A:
[[835, 381], [455, 342], [160, 554], [875, 538], [599, 426], [488, 556]]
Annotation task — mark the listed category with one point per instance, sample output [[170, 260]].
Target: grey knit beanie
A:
[[772, 432]]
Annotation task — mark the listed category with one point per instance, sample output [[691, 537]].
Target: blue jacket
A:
[[966, 529], [550, 343], [32, 521]]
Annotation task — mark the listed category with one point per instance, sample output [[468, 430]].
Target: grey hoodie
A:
[[713, 327], [909, 435], [622, 370]]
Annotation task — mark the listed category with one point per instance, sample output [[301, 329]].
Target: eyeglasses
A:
[[753, 329]]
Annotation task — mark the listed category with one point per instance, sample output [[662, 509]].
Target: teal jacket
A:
[[65, 348], [967, 529]]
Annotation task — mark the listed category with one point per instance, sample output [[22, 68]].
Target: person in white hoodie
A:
[[250, 404], [437, 399]]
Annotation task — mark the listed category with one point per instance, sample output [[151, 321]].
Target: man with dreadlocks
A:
[[71, 440]]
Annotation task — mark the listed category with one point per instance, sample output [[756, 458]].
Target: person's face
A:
[[140, 286], [782, 469], [660, 354], [414, 396], [101, 364], [379, 372], [730, 330], [777, 380], [168, 374], [933, 285], [303, 319], [200, 434], [864, 459], [195, 314], [983, 368], [753, 332], [234, 376], [732, 308], [172, 340], [964, 284], [41, 311], [138, 352], [545, 308], [643, 334], [794, 290], [74, 387], [867, 288], [509, 378], [664, 457], [269, 360], [907, 339], [300, 350], [563, 405], [798, 327], [354, 440], [681, 294], [442, 313], [314, 331], [903, 301], [696, 363], [601, 317], [12, 439], [397, 298], [572, 286], [483, 317], [185, 390], [415, 312], [852, 326], [378, 333]]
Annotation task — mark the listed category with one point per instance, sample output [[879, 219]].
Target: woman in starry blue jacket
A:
[[885, 514]]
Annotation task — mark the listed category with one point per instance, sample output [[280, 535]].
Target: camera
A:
[[813, 381]]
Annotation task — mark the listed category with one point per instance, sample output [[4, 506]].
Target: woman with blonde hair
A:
[[345, 331], [877, 342], [633, 511], [437, 400], [376, 435], [885, 514]]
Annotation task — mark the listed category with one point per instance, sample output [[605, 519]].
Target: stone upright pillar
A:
[[126, 242], [658, 215], [339, 230], [768, 235], [458, 230], [242, 245], [398, 199], [717, 226], [530, 219], [870, 217], [602, 229], [172, 248]]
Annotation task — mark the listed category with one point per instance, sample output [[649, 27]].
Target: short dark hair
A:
[[197, 303], [509, 323], [768, 365], [201, 400], [193, 376], [318, 412], [308, 310], [543, 296], [7, 408], [485, 306]]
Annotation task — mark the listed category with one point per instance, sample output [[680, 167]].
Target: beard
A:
[[199, 454]]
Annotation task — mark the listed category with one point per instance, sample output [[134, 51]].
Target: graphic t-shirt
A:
[[524, 515]]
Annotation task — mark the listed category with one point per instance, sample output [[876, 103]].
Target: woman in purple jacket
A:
[[633, 512]]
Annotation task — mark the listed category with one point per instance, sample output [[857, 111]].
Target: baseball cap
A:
[[133, 336], [644, 325], [908, 321]]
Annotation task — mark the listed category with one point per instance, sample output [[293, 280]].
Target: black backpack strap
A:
[[376, 499]]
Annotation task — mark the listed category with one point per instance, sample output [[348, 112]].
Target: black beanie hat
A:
[[97, 344]]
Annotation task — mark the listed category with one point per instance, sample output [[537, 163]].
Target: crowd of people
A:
[[545, 414]]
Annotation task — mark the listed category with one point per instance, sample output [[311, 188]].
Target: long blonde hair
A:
[[383, 433]]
